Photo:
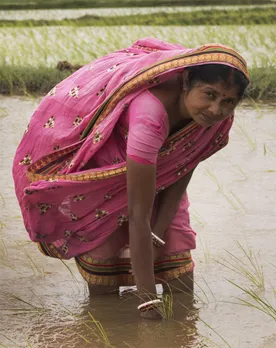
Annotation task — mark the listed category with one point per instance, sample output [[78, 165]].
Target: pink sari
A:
[[73, 206]]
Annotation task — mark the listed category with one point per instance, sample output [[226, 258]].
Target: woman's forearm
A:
[[168, 204], [141, 251]]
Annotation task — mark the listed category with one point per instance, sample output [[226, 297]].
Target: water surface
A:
[[45, 304]]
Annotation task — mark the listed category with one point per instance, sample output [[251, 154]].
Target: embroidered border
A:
[[201, 55]]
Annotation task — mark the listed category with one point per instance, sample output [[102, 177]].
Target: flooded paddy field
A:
[[44, 303], [77, 13]]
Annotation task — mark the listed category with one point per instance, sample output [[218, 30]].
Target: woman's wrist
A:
[[148, 305], [157, 241]]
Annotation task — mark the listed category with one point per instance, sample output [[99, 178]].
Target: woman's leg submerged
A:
[[184, 283], [102, 267], [175, 262], [105, 269]]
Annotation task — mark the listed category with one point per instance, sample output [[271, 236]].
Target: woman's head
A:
[[212, 91]]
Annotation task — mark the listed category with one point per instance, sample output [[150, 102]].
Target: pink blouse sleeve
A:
[[148, 128]]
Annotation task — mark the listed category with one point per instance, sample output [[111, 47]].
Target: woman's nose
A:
[[215, 109]]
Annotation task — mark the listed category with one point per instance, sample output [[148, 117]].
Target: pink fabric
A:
[[78, 216], [178, 235], [140, 160], [147, 121]]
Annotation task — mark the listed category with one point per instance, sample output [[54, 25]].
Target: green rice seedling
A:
[[211, 292], [197, 217], [260, 304], [243, 131], [236, 198], [239, 170], [210, 328], [70, 271], [18, 299], [250, 269], [79, 335], [167, 306], [265, 150], [3, 113], [3, 248], [229, 195], [100, 328], [39, 299], [196, 295], [5, 262], [214, 178], [256, 106], [36, 269], [29, 344], [273, 286], [7, 338], [273, 153], [206, 250], [2, 225], [214, 331], [3, 200]]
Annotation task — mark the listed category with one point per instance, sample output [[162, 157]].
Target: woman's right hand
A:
[[152, 314]]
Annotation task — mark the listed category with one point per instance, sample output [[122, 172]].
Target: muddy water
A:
[[45, 303]]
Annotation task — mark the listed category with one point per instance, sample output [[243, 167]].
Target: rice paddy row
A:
[[15, 80], [46, 4], [246, 16], [28, 56], [45, 46], [125, 11]]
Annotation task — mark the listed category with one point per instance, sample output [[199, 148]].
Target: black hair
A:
[[214, 73]]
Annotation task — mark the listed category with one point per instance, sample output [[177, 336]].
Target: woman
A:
[[108, 154]]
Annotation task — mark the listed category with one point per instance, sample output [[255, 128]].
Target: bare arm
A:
[[141, 184], [169, 202]]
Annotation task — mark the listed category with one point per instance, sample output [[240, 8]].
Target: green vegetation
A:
[[27, 80], [47, 4], [39, 80], [250, 16], [45, 46], [247, 265]]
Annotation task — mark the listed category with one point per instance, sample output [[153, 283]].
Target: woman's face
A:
[[208, 104]]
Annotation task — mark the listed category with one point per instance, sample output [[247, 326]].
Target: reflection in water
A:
[[115, 321], [124, 327]]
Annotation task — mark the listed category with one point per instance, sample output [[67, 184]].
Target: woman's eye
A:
[[210, 94], [230, 102]]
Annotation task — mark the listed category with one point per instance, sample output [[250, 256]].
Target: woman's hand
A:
[[152, 314]]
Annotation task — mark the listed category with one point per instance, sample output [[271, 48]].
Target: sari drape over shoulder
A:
[[66, 197]]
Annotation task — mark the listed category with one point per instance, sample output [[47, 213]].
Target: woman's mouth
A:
[[207, 119]]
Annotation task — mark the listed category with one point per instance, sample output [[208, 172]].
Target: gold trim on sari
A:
[[48, 167]]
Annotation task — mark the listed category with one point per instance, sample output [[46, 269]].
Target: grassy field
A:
[[36, 4], [45, 46], [201, 17], [28, 56], [16, 80], [30, 49]]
